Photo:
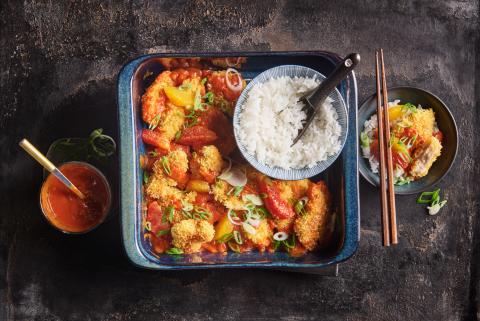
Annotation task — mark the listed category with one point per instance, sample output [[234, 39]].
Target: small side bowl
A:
[[107, 210], [446, 124], [337, 103]]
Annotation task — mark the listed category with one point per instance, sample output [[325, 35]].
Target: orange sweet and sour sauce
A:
[[68, 212]]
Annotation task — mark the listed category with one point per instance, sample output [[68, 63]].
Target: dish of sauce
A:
[[68, 212]]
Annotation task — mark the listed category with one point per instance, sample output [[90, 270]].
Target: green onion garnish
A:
[[174, 251], [410, 107], [204, 81], [154, 123], [234, 247], [102, 145], [237, 237], [166, 165], [153, 153], [225, 238], [209, 97], [299, 207], [238, 190], [197, 101], [178, 135], [163, 232], [365, 141], [146, 177], [168, 214], [148, 226], [433, 197]]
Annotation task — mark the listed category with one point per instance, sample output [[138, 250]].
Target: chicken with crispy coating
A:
[[312, 227], [189, 235], [206, 164]]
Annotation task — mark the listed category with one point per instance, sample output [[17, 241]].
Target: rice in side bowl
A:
[[272, 117]]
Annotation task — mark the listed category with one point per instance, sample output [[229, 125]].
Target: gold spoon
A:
[[48, 165]]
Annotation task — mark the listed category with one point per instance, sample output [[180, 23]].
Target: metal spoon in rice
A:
[[313, 100]]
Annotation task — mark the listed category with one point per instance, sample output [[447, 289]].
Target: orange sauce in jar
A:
[[65, 210]]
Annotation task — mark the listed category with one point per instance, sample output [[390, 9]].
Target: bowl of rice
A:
[[268, 116]]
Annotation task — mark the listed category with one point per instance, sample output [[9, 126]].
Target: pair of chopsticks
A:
[[389, 216]]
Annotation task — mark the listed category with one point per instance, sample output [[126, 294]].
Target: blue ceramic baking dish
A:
[[341, 177]]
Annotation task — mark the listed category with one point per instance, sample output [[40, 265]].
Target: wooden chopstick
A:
[[381, 154], [391, 190]]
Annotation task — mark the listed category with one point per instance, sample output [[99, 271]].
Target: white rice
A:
[[272, 117]]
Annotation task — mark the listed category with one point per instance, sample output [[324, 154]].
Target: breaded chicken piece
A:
[[177, 159], [163, 189], [263, 237], [154, 99], [424, 157], [290, 191], [312, 228], [220, 191], [171, 121], [189, 235], [423, 121], [174, 166], [206, 164]]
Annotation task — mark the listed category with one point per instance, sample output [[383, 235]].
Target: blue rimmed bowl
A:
[[446, 124], [341, 177], [337, 102]]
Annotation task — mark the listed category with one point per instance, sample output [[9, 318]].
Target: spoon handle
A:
[[48, 165], [39, 157], [332, 80]]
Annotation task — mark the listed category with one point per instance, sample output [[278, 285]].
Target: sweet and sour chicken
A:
[[196, 198]]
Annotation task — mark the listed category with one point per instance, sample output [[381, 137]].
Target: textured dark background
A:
[[58, 66]]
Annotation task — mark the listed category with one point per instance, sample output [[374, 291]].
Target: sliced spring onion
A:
[[166, 165], [410, 107], [280, 236], [249, 228], [148, 226], [209, 97], [203, 81], [225, 238], [237, 237], [233, 218], [229, 64], [234, 247], [238, 190], [364, 140], [299, 206], [403, 180], [153, 153], [234, 177], [154, 123], [433, 196], [262, 212], [252, 198], [174, 251], [178, 135], [290, 244], [435, 208], [171, 213], [253, 222], [230, 85], [163, 232], [197, 101], [146, 177], [102, 145]]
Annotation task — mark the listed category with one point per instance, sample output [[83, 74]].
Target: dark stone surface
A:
[[58, 67]]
